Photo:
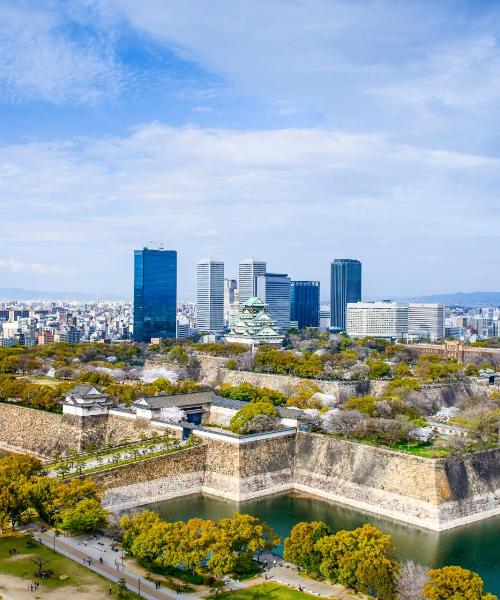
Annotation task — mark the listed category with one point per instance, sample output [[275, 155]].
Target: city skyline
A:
[[330, 129]]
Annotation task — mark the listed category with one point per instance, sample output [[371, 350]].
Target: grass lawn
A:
[[271, 591], [67, 573], [50, 381]]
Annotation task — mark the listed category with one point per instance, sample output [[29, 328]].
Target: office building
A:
[[377, 319], [324, 316], [183, 329], [155, 294], [345, 287], [426, 320], [248, 271], [274, 290], [304, 303], [210, 296], [230, 301]]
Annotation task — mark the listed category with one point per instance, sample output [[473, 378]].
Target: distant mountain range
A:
[[22, 294], [462, 298], [458, 298]]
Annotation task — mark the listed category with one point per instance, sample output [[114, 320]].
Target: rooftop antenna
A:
[[157, 245]]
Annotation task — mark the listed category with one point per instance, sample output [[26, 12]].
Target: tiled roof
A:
[[180, 400], [84, 390]]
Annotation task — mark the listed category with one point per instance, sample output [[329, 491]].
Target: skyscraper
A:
[[249, 269], [155, 294], [304, 303], [274, 290], [345, 286], [210, 295]]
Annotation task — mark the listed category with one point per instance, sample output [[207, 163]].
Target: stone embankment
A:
[[213, 372], [42, 433], [435, 494]]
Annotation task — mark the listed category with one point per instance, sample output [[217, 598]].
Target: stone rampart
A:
[[36, 431], [240, 471], [154, 479], [39, 432], [437, 494]]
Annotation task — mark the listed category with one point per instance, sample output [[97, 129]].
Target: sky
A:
[[295, 131]]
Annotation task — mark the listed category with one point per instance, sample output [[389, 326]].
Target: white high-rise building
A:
[[377, 319], [426, 320], [274, 290], [248, 271], [210, 296]]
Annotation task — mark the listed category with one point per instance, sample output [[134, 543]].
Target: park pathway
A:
[[287, 574], [113, 572]]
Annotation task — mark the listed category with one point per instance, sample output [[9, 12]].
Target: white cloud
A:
[[298, 197], [41, 60], [18, 266]]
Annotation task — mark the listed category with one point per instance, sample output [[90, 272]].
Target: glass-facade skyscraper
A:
[[345, 286], [304, 303], [155, 294], [274, 290]]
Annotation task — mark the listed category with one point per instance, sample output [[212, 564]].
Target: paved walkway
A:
[[81, 549], [71, 549], [287, 574]]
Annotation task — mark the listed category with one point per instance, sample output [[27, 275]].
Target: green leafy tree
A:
[[360, 560], [84, 517], [248, 412], [363, 404], [300, 545], [378, 369], [455, 583]]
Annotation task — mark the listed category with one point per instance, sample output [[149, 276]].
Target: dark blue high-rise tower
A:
[[155, 294], [304, 303], [345, 286]]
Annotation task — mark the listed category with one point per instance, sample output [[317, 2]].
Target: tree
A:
[[217, 586], [472, 371], [172, 414], [244, 535], [86, 516], [245, 415], [411, 580], [378, 369], [300, 545], [455, 583], [360, 560], [303, 396], [364, 404]]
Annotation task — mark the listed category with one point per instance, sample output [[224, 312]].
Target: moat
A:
[[473, 546]]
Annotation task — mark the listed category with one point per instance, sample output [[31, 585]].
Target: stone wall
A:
[[213, 373], [41, 433], [437, 494], [240, 471], [35, 431], [151, 480]]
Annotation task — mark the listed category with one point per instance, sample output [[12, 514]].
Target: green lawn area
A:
[[271, 591], [67, 573]]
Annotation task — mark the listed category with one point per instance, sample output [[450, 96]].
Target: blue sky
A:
[[297, 131]]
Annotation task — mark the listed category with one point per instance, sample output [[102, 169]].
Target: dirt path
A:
[[16, 588]]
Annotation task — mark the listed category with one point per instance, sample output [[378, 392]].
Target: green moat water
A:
[[475, 546]]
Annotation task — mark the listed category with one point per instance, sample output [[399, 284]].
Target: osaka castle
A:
[[254, 326]]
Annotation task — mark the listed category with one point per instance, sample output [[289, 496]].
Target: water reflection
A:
[[475, 546]]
